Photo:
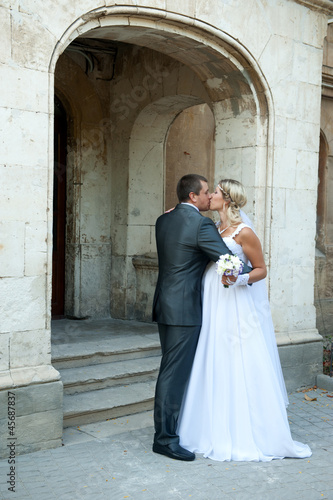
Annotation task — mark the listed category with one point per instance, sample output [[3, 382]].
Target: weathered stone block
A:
[[35, 248], [313, 353], [146, 271], [300, 207], [4, 451], [119, 240], [95, 228], [307, 64], [229, 164], [39, 430], [140, 241], [4, 352], [15, 89], [304, 316], [287, 22], [38, 418], [254, 37], [237, 132], [30, 348], [283, 50], [23, 304], [145, 182], [306, 168], [314, 28], [205, 13], [325, 382], [95, 280], [11, 249], [300, 364], [65, 15], [28, 375], [5, 35], [28, 34], [38, 399], [24, 131], [15, 195], [118, 290], [300, 134], [285, 176], [280, 136], [3, 405]]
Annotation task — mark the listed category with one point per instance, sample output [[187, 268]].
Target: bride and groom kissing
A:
[[220, 389]]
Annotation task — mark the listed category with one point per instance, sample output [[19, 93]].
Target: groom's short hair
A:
[[190, 183]]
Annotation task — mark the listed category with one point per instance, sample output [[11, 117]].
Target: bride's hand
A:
[[170, 210], [228, 280]]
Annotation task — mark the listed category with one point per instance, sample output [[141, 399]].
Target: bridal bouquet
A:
[[229, 265]]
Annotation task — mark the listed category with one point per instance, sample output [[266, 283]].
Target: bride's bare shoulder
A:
[[245, 235]]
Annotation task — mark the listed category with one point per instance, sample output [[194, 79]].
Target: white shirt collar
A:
[[190, 204]]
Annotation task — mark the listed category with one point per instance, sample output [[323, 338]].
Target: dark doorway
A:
[[59, 210]]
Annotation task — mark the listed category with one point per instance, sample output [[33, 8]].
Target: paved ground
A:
[[113, 460]]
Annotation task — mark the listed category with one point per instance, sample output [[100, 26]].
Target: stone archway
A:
[[163, 68]]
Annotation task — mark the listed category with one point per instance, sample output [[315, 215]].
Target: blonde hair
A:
[[234, 192]]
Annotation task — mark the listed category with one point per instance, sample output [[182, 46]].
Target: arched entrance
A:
[[137, 77]]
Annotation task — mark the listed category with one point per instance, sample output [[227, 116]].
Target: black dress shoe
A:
[[174, 450]]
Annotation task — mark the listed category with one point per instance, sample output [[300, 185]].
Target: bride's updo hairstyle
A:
[[234, 192]]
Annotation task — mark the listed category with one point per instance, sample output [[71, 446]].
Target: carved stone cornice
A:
[[327, 81], [322, 5], [146, 262]]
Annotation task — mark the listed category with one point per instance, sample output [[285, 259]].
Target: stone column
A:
[[35, 407]]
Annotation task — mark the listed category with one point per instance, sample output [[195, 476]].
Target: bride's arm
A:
[[252, 248]]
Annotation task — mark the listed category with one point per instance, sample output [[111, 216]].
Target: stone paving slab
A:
[[113, 460]]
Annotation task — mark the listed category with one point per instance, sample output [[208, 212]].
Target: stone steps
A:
[[100, 376], [104, 351], [107, 374], [104, 404]]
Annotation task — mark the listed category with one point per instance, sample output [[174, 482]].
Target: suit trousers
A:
[[178, 345]]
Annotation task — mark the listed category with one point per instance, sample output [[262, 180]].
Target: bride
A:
[[235, 404]]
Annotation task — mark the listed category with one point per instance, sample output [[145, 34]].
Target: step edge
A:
[[103, 354], [104, 379], [82, 412]]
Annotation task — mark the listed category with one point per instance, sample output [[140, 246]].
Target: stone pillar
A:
[[34, 411]]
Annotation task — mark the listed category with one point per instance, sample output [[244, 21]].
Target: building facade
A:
[[102, 109]]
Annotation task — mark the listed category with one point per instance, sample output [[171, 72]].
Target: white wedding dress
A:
[[234, 407]]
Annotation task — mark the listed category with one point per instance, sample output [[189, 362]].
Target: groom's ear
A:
[[192, 197]]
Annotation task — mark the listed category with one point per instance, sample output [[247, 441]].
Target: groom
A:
[[186, 242]]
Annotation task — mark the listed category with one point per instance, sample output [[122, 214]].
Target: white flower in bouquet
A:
[[229, 265]]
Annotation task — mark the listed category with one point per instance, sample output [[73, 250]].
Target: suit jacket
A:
[[186, 242]]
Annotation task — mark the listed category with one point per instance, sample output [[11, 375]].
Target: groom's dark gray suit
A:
[[186, 242]]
